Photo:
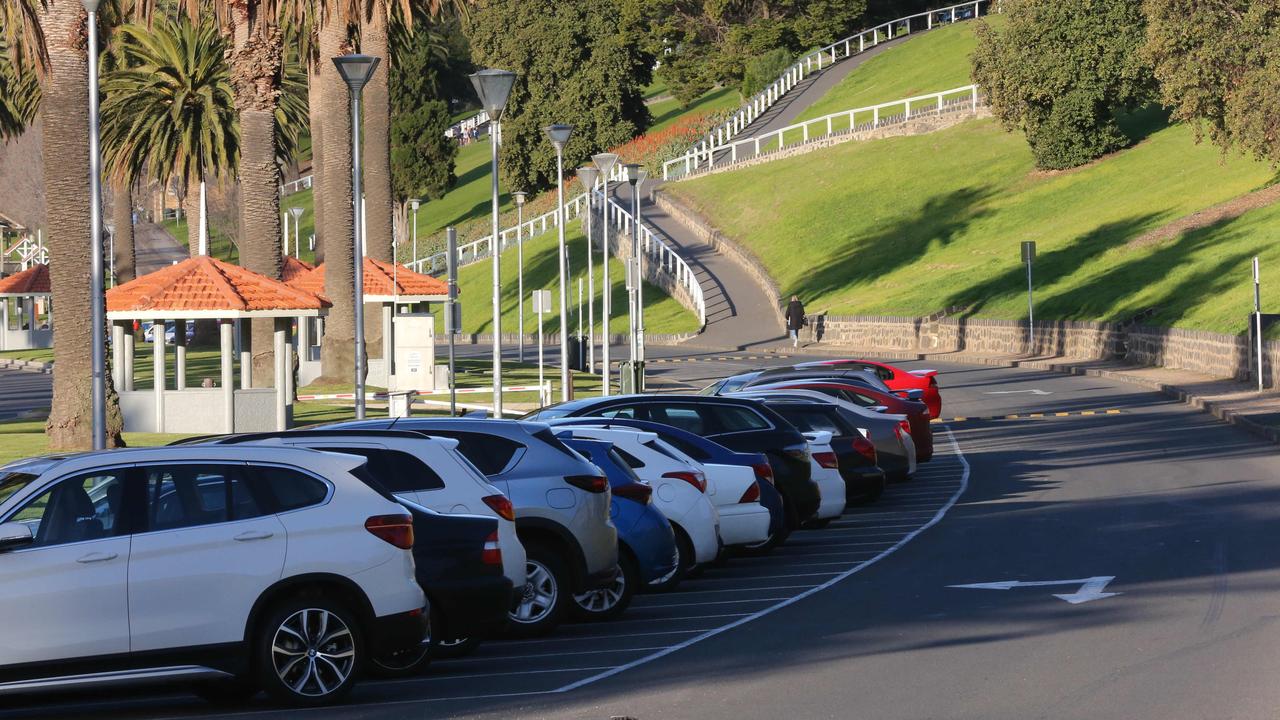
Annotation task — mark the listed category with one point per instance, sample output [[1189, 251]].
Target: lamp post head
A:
[[297, 212], [519, 197], [90, 5], [636, 173], [604, 162], [559, 134], [493, 87], [414, 203], [356, 70], [588, 175]]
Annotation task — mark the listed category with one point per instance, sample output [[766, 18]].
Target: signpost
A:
[[541, 304], [1028, 255], [452, 316]]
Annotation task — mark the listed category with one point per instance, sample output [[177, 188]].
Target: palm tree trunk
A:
[[191, 208], [317, 145], [337, 350], [122, 220], [376, 143], [66, 187], [256, 63]]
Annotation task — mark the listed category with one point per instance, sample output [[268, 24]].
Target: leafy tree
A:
[[1218, 65], [1060, 70], [575, 64], [422, 158]]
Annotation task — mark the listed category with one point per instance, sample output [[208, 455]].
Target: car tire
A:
[[610, 602], [684, 562], [451, 648], [230, 691], [407, 663], [772, 542], [546, 595], [292, 636]]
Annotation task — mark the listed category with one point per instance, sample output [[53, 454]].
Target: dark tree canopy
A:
[[1218, 64], [422, 158], [576, 62], [1060, 71]]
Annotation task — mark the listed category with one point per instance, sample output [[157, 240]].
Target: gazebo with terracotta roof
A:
[[26, 293], [204, 288], [385, 283]]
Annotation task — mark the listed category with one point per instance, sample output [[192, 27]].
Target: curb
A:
[[35, 366]]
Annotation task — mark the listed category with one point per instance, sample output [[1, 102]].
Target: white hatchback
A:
[[231, 569], [826, 472]]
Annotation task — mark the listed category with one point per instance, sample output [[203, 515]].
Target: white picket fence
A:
[[815, 61], [845, 121], [662, 258]]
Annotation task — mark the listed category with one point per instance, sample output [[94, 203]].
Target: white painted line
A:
[[838, 545], [746, 589], [495, 658], [676, 619], [540, 641], [707, 602], [757, 577], [964, 483], [462, 676]]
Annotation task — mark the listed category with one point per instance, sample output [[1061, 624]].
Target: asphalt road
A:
[[1177, 508], [23, 391]]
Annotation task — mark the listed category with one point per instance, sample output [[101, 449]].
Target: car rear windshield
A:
[[688, 448], [398, 471], [491, 454], [548, 437], [810, 419]]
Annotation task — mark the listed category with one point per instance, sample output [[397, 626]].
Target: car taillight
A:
[[865, 448], [395, 529], [764, 471], [492, 553], [799, 453], [826, 460], [638, 492], [904, 427], [500, 504], [695, 479], [752, 494], [590, 483]]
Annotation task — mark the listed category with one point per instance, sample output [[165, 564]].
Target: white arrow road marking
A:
[[1015, 392], [1090, 588]]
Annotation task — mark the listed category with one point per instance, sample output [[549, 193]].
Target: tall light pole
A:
[[97, 300], [604, 162], [519, 198], [414, 203], [493, 87], [587, 176], [296, 212], [559, 135], [356, 71], [636, 175]]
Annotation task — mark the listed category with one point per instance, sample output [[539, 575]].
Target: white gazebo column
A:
[[129, 340], [226, 329], [180, 354], [304, 339], [288, 361], [4, 321], [157, 371], [281, 338], [246, 355], [387, 340], [117, 354]]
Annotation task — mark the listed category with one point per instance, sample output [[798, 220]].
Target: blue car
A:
[[646, 542], [709, 451]]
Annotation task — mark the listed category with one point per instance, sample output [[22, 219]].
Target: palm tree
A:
[[168, 110]]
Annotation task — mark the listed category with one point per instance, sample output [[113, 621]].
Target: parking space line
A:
[[539, 641], [760, 577], [691, 617], [771, 587], [495, 658], [709, 602]]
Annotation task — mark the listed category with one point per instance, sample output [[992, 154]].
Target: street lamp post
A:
[[587, 176], [636, 175], [356, 71], [604, 162], [559, 135], [519, 198], [414, 205], [296, 212], [96, 298], [493, 87]]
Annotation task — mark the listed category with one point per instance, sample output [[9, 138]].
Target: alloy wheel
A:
[[540, 594], [313, 652], [598, 601]]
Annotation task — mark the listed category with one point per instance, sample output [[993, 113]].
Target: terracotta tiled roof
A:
[[293, 267], [32, 281], [378, 280], [204, 283]]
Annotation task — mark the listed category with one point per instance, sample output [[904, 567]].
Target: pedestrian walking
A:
[[795, 319]]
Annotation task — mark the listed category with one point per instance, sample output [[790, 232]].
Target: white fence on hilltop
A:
[[815, 61], [664, 262], [845, 121]]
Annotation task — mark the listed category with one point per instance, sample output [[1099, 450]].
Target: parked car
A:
[[647, 550], [561, 506], [705, 451], [738, 424], [916, 412], [897, 379], [679, 491], [743, 381], [229, 569], [826, 471], [170, 332]]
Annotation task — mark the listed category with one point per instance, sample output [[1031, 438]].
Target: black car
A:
[[738, 424], [864, 481]]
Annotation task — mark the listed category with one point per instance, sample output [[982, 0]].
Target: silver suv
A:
[[561, 502]]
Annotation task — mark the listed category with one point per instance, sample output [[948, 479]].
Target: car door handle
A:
[[253, 535], [97, 557]]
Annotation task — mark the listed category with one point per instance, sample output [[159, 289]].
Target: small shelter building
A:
[[26, 316]]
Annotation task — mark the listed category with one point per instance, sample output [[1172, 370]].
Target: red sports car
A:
[[863, 396], [896, 378]]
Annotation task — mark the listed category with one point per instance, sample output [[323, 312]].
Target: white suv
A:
[[231, 568]]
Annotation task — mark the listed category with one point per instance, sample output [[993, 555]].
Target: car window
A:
[[396, 470], [491, 454], [627, 458], [809, 420], [179, 496], [657, 447], [548, 437], [686, 417], [733, 384], [80, 508], [628, 413], [732, 418], [289, 489], [688, 448], [11, 483]]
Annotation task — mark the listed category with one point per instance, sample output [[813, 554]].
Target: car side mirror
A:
[[915, 394], [879, 408], [14, 535]]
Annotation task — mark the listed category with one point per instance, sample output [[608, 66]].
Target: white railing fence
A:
[[298, 185], [815, 61], [28, 250], [845, 121]]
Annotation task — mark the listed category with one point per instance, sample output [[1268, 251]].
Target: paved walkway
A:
[[155, 248]]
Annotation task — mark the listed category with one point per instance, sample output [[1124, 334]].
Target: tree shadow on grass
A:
[[899, 244]]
